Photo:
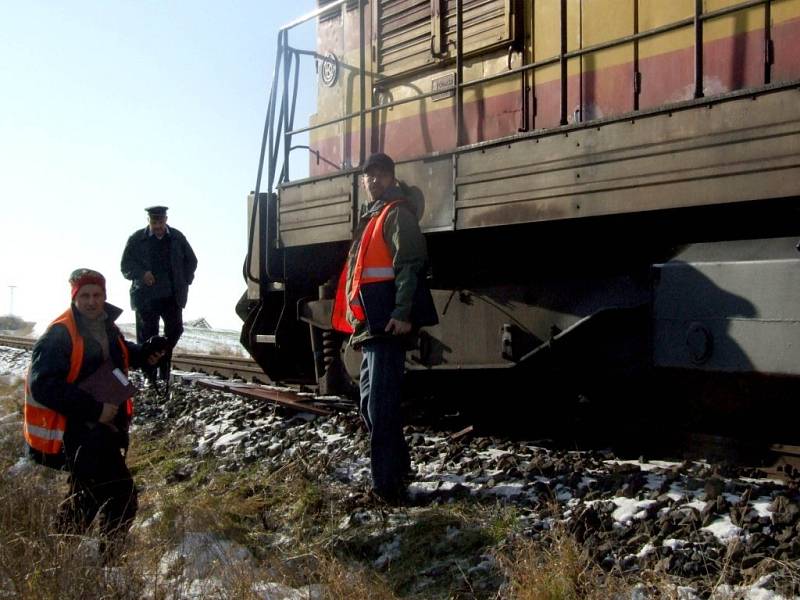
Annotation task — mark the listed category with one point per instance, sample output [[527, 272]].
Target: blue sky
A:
[[108, 107]]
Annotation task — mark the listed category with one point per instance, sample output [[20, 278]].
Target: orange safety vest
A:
[[43, 427], [373, 264]]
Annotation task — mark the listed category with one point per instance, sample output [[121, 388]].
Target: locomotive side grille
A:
[[486, 22], [406, 29], [404, 35]]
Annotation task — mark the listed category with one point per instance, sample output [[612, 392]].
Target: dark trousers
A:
[[99, 484], [382, 367], [147, 321]]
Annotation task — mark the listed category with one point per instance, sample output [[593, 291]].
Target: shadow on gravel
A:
[[650, 418]]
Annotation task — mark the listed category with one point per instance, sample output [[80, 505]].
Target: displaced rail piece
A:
[[224, 366], [287, 398]]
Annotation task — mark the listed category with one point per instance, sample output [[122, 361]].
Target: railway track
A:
[[786, 457], [17, 342], [231, 367]]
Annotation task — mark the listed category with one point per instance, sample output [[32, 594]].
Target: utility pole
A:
[[11, 300]]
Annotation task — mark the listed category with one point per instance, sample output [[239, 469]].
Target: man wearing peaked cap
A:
[[160, 264], [156, 211]]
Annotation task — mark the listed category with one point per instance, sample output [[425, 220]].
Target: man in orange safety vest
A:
[[67, 425], [388, 259]]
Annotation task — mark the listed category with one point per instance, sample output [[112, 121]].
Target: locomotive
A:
[[608, 189]]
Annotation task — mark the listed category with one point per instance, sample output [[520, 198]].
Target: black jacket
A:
[[136, 262], [50, 365]]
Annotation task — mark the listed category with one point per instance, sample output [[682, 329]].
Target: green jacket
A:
[[409, 256]]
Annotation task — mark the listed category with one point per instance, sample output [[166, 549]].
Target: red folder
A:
[[109, 384]]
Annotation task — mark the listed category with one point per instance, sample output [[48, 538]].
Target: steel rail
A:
[[224, 366], [17, 342], [246, 367]]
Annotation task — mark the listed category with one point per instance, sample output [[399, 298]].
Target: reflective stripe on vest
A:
[[43, 427], [374, 263]]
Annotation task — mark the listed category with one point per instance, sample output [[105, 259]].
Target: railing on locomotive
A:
[[696, 21]]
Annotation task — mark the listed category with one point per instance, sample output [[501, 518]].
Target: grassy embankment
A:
[[291, 524]]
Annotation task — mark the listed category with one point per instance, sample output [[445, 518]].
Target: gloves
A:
[[157, 343]]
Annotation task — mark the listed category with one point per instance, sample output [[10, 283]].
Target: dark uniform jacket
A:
[[50, 365], [136, 262]]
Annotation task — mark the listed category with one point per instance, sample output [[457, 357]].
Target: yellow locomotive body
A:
[[609, 191], [410, 51]]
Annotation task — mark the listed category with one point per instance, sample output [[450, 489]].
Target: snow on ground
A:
[[14, 362], [229, 427], [200, 340]]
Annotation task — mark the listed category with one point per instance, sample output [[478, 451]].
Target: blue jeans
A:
[[382, 367]]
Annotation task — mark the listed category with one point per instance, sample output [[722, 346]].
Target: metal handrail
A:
[[278, 125], [260, 172]]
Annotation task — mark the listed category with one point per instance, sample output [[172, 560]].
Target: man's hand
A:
[[148, 278], [108, 414], [153, 359], [397, 327]]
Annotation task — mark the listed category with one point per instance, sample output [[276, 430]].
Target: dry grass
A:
[[344, 580], [554, 569], [284, 516], [252, 507], [289, 520]]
